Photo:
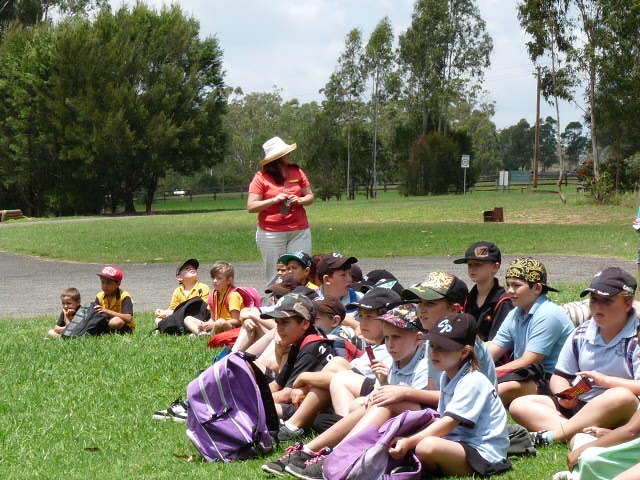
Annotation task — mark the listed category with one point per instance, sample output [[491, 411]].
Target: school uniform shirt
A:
[[543, 330], [179, 296], [594, 354], [218, 307], [489, 317], [352, 296], [121, 302], [61, 322], [312, 358], [414, 374], [485, 360], [363, 365], [270, 219], [470, 398]]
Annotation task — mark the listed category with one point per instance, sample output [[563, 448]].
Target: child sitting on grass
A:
[[224, 303], [535, 331], [487, 301], [189, 287], [470, 437], [70, 300], [350, 379], [295, 316], [404, 342], [115, 302], [604, 350]]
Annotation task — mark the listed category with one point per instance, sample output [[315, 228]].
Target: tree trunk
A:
[[592, 104], [129, 206]]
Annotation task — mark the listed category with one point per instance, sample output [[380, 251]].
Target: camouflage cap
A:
[[437, 285]]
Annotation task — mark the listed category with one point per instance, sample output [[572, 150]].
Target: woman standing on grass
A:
[[278, 193]]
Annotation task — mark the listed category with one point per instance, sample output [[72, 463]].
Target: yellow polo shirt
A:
[[179, 296]]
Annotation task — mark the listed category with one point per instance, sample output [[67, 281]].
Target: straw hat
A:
[[275, 148]]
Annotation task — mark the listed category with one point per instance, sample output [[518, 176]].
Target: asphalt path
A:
[[31, 286]]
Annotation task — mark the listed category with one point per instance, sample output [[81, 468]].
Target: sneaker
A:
[[539, 439], [312, 468], [294, 455], [566, 475], [177, 412], [286, 435]]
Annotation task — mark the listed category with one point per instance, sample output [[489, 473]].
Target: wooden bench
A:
[[10, 215]]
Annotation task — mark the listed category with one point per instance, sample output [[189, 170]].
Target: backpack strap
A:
[[312, 337], [578, 334], [630, 345], [498, 303]]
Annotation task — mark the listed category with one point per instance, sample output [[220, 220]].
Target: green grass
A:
[[392, 225], [82, 408]]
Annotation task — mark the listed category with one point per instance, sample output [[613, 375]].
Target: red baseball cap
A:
[[112, 273]]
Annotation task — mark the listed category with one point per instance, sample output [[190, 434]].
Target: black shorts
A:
[[367, 386], [480, 465], [567, 412], [123, 330], [529, 373], [288, 409]]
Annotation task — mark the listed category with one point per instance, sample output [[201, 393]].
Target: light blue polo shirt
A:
[[595, 354], [352, 296], [470, 398], [363, 365], [543, 330], [484, 359], [414, 374]]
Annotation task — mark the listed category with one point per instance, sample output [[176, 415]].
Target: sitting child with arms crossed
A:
[[115, 302]]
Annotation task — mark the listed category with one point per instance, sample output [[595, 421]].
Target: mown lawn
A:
[[82, 408], [392, 225]]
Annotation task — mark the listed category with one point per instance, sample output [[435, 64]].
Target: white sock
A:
[[307, 450], [292, 428]]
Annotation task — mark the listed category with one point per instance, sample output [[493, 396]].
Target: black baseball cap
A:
[[378, 278], [192, 261], [303, 258], [455, 331], [483, 251], [436, 286], [333, 261], [611, 281], [377, 298], [356, 273]]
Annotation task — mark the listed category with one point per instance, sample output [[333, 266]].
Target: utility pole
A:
[[536, 153]]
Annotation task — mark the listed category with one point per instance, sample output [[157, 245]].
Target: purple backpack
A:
[[365, 456], [231, 410]]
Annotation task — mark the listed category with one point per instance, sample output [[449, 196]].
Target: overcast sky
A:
[[294, 44]]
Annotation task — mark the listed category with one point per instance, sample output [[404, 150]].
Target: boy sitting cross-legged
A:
[[535, 330], [70, 300], [115, 302]]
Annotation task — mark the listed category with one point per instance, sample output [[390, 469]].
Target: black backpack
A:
[[174, 323], [87, 321], [520, 443]]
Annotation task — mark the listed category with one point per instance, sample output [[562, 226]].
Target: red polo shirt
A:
[[270, 219]]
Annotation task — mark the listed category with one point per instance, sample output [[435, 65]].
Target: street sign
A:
[[464, 161]]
